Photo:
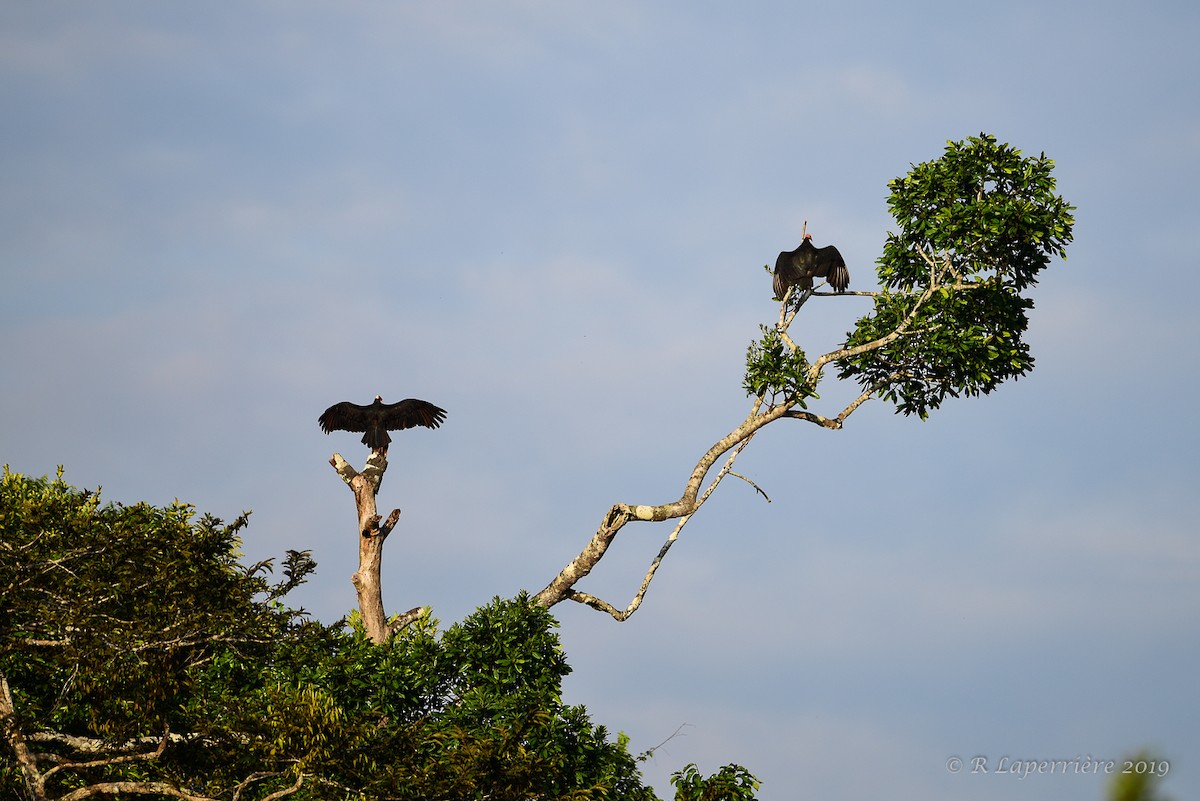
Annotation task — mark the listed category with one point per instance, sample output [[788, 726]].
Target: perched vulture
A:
[[800, 266], [379, 418]]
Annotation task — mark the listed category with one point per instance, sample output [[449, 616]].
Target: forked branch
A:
[[371, 535], [761, 414]]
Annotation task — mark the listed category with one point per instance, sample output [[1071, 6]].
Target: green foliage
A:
[[125, 625], [776, 371], [475, 711], [111, 609], [108, 606], [992, 210], [956, 343], [730, 783], [1139, 778], [977, 226]]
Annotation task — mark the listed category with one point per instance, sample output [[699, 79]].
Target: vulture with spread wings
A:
[[379, 418], [800, 266]]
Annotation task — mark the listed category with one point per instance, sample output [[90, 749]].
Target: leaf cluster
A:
[[982, 204], [730, 783], [776, 371], [954, 343], [976, 228]]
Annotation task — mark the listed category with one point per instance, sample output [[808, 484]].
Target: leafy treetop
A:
[[139, 657], [976, 227]]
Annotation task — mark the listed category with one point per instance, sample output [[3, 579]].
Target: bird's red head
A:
[[808, 236]]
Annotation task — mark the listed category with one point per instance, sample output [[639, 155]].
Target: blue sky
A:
[[551, 220]]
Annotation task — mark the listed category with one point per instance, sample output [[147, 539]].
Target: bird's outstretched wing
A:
[[787, 273], [345, 416], [378, 418], [411, 412], [832, 267]]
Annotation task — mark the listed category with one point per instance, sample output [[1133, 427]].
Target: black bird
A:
[[379, 418], [800, 266]]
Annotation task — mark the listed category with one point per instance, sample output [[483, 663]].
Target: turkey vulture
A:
[[800, 266], [379, 418]]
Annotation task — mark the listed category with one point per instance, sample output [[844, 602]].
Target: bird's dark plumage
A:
[[379, 418], [800, 266]]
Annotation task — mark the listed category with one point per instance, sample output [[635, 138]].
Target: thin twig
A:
[[757, 488]]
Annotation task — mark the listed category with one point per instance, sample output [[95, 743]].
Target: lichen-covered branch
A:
[[131, 788], [562, 587], [623, 614], [113, 760]]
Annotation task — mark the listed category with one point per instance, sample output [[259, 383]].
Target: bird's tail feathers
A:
[[839, 278], [376, 438]]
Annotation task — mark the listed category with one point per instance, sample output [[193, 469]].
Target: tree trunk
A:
[[371, 535]]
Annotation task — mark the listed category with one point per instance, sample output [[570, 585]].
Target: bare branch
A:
[[757, 488], [863, 397], [596, 603], [132, 788], [287, 790], [34, 781], [371, 535], [251, 779], [390, 523], [619, 614], [812, 417], [94, 745], [343, 468], [376, 467], [563, 586], [786, 315], [404, 621], [114, 760], [674, 734]]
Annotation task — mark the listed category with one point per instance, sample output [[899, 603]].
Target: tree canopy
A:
[[976, 228], [138, 656]]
